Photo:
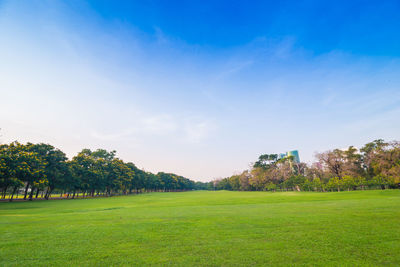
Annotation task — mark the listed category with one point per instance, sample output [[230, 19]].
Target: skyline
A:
[[200, 90]]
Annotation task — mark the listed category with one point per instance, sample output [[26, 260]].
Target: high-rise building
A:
[[293, 153], [282, 155]]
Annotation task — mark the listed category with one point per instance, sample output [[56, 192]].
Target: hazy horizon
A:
[[199, 89]]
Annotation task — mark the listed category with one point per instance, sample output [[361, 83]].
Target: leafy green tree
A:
[[83, 168], [333, 184], [307, 185], [235, 182], [317, 184], [28, 166], [265, 161], [361, 182], [6, 173], [56, 167], [369, 155], [137, 181], [270, 186], [8, 169], [121, 175], [348, 182], [72, 182], [20, 165]]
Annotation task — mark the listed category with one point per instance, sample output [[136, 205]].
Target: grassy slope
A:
[[205, 228]]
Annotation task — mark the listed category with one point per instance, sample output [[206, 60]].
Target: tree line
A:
[[375, 165], [41, 169]]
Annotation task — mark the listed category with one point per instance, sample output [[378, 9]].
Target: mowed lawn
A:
[[205, 228]]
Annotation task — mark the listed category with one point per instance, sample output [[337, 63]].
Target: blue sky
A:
[[199, 88]]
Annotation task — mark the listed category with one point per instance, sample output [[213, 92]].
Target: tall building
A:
[[293, 153], [282, 155]]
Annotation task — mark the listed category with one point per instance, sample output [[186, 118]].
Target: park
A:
[[208, 228], [199, 133]]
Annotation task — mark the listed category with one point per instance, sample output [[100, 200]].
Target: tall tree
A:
[[56, 168], [26, 165], [333, 161]]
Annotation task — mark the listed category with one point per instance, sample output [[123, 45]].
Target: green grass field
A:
[[205, 228]]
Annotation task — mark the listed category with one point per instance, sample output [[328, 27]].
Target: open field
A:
[[205, 228]]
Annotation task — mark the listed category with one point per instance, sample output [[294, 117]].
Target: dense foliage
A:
[[42, 169], [376, 165]]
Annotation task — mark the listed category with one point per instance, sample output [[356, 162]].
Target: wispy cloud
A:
[[160, 124], [196, 130], [189, 129], [232, 68]]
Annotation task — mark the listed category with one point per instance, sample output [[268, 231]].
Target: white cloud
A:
[[196, 130], [190, 129], [159, 124]]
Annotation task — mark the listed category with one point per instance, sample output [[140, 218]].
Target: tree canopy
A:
[[42, 168], [375, 165]]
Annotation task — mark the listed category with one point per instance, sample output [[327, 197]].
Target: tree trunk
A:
[[48, 193], [31, 193], [73, 195], [12, 195], [37, 193], [5, 192], [26, 190]]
